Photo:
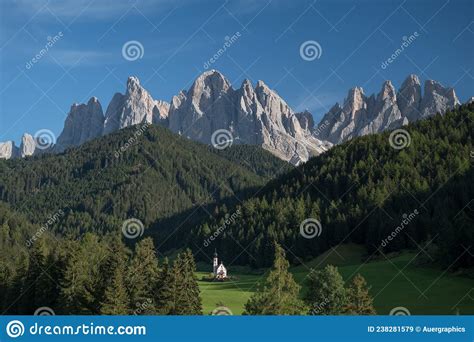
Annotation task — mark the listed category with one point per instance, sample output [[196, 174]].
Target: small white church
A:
[[219, 270]]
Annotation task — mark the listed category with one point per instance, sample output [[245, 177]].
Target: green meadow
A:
[[395, 282]]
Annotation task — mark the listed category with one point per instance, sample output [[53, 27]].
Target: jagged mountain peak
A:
[[437, 99], [362, 114], [134, 107], [411, 80], [355, 95], [247, 87], [262, 86], [388, 90], [212, 79], [28, 145], [8, 150], [83, 123], [256, 115], [270, 100], [246, 83], [132, 81], [355, 101], [93, 99]]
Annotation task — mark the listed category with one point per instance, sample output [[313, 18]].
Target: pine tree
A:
[[186, 294], [83, 285], [359, 301], [278, 295], [116, 299], [33, 293], [142, 278], [326, 294], [17, 285], [164, 290]]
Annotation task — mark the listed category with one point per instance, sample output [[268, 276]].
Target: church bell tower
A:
[[215, 263]]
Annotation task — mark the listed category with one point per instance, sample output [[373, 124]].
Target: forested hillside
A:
[[145, 172], [361, 191]]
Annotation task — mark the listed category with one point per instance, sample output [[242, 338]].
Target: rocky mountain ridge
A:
[[254, 115], [389, 109]]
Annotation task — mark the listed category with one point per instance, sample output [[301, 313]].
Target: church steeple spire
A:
[[215, 263]]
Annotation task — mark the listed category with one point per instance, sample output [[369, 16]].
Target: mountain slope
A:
[[361, 192], [145, 172]]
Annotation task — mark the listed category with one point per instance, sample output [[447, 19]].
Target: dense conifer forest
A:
[[61, 243]]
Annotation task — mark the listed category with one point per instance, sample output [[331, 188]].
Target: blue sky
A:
[[179, 37]]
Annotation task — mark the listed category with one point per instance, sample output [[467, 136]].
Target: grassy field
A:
[[395, 282]]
